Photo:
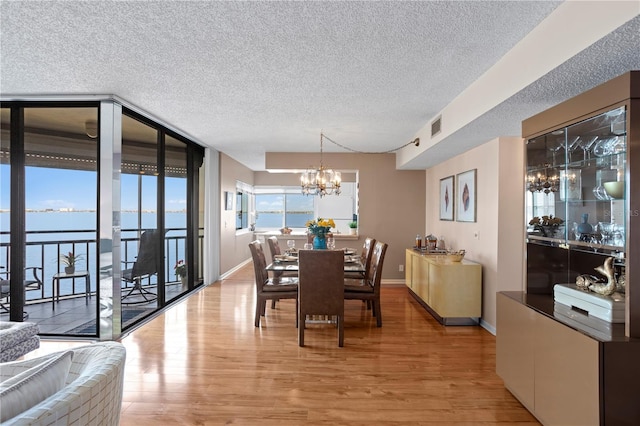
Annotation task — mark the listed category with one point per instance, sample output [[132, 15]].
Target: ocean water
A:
[[51, 233], [274, 220]]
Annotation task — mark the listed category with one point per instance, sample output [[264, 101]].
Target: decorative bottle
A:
[[585, 227]]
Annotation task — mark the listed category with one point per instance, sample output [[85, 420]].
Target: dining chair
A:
[[365, 259], [370, 291], [274, 249], [360, 278], [321, 288], [267, 288]]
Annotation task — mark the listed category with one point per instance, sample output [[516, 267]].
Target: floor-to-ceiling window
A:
[[53, 200], [175, 216], [49, 228], [142, 248], [5, 208]]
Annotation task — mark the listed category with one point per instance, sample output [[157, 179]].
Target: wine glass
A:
[[606, 230], [554, 150], [586, 145], [331, 243], [292, 245], [573, 145]]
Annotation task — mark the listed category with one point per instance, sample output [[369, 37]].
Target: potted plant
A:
[[181, 271], [69, 260], [353, 227]]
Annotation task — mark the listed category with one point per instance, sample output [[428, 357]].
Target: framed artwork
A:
[[466, 196], [228, 200], [446, 198]]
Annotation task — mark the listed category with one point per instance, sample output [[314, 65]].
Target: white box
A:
[[595, 326], [608, 308]]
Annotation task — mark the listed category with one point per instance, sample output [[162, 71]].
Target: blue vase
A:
[[319, 242], [585, 227]]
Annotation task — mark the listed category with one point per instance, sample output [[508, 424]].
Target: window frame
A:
[[285, 192]]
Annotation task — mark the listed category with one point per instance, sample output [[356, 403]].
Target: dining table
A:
[[289, 262]]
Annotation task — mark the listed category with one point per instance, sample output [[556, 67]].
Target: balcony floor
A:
[[71, 315]]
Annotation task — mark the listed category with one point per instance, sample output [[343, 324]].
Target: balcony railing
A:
[[43, 250]]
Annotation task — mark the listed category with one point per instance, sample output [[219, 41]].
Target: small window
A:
[[278, 209], [242, 210]]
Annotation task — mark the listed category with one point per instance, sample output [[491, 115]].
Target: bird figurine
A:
[[607, 270]]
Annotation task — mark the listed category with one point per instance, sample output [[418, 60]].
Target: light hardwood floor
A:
[[203, 362]]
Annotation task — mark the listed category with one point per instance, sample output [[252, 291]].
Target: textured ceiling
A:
[[251, 77]]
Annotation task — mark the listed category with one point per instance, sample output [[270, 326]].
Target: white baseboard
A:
[[393, 283], [491, 329], [237, 267]]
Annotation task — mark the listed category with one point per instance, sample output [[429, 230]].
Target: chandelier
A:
[[320, 181], [542, 182]]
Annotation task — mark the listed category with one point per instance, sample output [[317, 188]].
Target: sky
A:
[[76, 189]]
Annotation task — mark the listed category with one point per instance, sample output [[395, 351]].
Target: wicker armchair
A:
[[92, 394]]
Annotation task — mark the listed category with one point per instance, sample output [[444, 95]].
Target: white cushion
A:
[[32, 386]]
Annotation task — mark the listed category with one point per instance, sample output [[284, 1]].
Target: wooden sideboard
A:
[[450, 291]]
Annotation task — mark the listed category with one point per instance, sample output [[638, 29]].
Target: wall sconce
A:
[[570, 178]]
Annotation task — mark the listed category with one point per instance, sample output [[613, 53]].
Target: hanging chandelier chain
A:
[[415, 142], [325, 181]]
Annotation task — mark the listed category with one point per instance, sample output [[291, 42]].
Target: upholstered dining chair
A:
[[321, 288], [370, 291], [360, 278], [267, 288], [274, 249], [365, 259]]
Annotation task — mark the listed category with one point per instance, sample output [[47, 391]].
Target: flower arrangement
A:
[[547, 225], [320, 227], [180, 269]]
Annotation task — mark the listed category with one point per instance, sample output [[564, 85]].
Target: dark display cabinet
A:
[[583, 187], [581, 183]]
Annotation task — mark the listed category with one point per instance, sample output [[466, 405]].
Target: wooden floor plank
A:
[[203, 362]]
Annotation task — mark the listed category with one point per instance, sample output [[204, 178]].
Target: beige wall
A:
[[391, 202], [394, 208], [234, 249], [500, 214]]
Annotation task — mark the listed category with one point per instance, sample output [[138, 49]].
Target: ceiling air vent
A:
[[436, 126]]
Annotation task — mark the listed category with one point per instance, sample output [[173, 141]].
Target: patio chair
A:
[[145, 265], [30, 283]]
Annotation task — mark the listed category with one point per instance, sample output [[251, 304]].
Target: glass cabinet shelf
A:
[[575, 185]]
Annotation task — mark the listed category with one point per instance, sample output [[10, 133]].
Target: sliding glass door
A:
[[100, 216]]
